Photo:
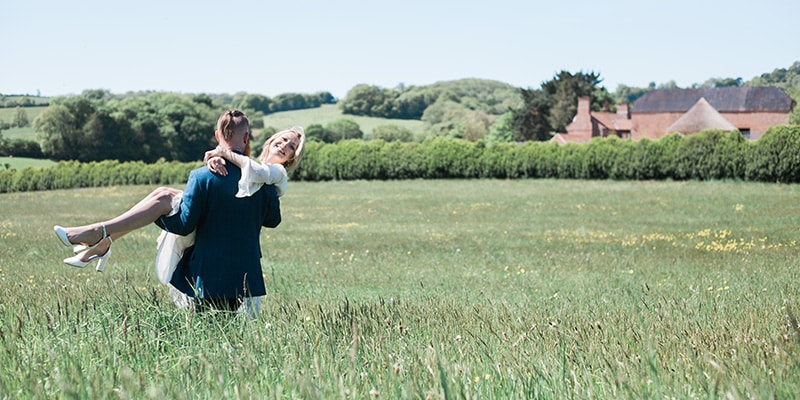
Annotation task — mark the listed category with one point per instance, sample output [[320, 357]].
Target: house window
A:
[[745, 133]]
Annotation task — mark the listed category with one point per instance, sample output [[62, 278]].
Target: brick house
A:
[[751, 110]]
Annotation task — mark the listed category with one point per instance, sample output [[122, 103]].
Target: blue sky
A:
[[268, 47]]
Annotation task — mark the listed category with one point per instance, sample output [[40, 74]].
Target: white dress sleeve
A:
[[255, 175]]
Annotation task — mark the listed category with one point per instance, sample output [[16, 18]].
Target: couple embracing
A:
[[209, 253]]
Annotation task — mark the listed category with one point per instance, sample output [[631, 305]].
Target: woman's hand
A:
[[216, 165], [217, 152]]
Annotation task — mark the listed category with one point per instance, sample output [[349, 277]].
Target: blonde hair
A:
[[292, 162], [232, 123]]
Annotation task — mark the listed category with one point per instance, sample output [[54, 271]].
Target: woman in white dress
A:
[[281, 154]]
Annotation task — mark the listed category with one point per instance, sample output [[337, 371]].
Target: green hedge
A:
[[709, 155], [73, 174]]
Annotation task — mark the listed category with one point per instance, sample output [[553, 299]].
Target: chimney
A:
[[623, 110], [584, 106], [581, 125]]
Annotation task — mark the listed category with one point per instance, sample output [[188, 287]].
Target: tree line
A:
[[13, 101], [145, 126], [148, 126]]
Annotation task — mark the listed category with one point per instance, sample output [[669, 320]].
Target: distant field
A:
[[7, 115], [9, 98], [22, 162], [331, 112]]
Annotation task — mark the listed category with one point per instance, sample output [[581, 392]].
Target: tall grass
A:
[[427, 289]]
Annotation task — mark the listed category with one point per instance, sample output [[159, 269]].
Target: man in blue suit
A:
[[223, 269]]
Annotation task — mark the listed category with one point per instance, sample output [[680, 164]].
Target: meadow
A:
[[24, 162], [7, 115], [545, 289]]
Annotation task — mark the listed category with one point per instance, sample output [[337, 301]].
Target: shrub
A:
[[775, 157]]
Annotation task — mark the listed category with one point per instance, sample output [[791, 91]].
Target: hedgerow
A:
[[708, 155]]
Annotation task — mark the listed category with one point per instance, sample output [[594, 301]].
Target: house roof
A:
[[728, 99], [612, 121], [700, 117]]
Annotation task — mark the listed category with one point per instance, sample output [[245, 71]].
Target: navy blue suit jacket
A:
[[225, 262]]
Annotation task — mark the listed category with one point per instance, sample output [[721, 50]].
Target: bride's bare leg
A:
[[147, 211]]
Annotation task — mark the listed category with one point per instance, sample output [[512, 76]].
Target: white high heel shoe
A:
[[61, 233], [76, 261]]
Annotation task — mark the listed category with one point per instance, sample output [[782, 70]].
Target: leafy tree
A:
[[59, 131], [446, 117], [203, 99], [174, 126], [392, 133], [289, 101], [325, 98], [147, 127], [668, 85], [62, 128], [476, 125], [344, 128], [443, 110], [256, 119], [318, 133], [255, 102], [530, 121], [370, 101], [722, 82], [412, 104], [282, 102], [629, 94], [784, 78], [97, 94], [794, 116], [502, 130], [491, 97], [21, 148], [20, 117]]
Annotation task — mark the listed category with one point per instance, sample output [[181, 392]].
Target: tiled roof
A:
[[612, 121], [734, 99]]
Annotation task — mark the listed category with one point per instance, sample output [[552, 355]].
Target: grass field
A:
[[427, 289], [23, 162], [331, 112], [7, 115]]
